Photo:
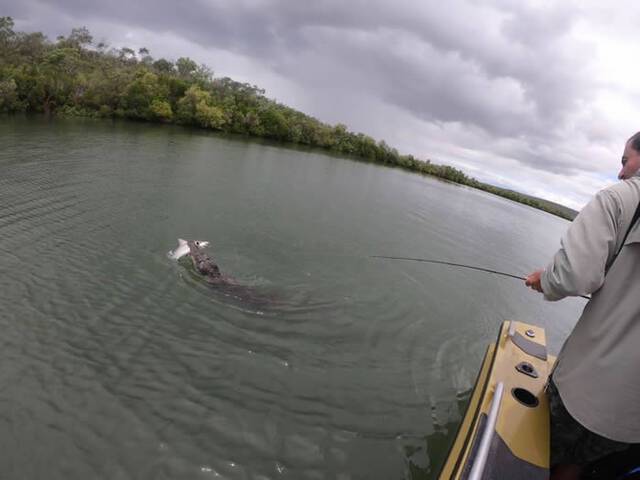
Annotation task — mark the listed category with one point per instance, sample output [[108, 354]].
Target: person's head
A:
[[630, 158]]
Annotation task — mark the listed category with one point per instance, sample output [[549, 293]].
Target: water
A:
[[118, 363]]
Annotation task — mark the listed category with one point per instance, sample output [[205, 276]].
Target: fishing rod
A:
[[451, 264]]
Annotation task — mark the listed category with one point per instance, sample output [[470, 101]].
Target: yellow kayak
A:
[[505, 431]]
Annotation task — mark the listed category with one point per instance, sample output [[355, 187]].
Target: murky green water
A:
[[117, 363]]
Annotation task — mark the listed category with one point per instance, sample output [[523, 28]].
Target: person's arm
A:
[[578, 268]]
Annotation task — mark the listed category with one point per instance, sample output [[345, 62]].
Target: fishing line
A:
[[451, 264]]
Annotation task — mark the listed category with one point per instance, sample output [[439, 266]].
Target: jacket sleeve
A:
[[578, 268]]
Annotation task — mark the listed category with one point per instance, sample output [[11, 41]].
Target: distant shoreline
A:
[[73, 77]]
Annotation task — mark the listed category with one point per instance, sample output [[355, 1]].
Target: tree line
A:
[[73, 76]]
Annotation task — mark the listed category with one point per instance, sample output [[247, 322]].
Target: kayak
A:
[[504, 433]]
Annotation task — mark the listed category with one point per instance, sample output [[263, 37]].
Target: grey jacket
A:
[[598, 369]]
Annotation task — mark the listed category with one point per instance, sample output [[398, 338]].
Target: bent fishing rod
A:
[[451, 264]]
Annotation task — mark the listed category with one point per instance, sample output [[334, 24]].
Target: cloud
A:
[[520, 93]]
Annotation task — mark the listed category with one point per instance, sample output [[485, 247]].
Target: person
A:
[[594, 387]]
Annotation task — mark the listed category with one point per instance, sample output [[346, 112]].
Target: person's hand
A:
[[533, 280]]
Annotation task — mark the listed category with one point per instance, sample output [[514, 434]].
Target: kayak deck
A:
[[505, 430]]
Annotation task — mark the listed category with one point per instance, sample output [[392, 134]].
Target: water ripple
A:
[[119, 363]]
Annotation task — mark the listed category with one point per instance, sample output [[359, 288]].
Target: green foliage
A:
[[160, 110], [209, 116], [163, 66], [6, 30], [69, 77], [141, 93], [186, 67], [9, 101], [196, 108], [105, 111], [275, 123], [79, 37]]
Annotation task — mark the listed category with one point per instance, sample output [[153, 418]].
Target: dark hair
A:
[[635, 141]]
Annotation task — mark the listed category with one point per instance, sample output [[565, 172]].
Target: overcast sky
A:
[[538, 96]]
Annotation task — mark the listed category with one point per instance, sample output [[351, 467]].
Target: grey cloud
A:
[[507, 68], [495, 49]]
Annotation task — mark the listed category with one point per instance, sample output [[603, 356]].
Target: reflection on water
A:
[[118, 362], [440, 441]]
